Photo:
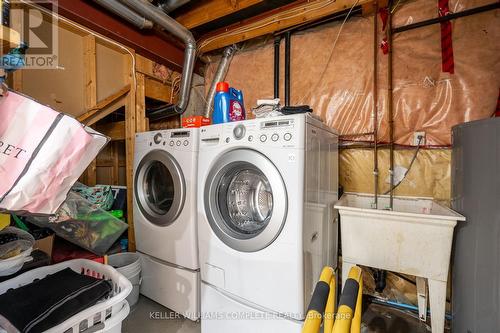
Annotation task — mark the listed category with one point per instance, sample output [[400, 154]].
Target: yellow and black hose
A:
[[323, 298], [348, 317], [322, 306]]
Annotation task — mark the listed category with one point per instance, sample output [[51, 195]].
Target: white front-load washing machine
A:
[[266, 222], [165, 219]]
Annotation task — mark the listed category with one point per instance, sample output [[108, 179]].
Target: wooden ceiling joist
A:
[[281, 18], [159, 91], [211, 10], [105, 107]]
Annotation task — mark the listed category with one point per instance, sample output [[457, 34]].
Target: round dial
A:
[[239, 132], [157, 138]]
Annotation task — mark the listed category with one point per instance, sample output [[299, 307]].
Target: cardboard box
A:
[[195, 121], [45, 244]]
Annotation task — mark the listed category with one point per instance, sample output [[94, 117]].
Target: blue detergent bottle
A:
[[228, 104]]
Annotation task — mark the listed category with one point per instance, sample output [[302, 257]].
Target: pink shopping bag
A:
[[42, 154]]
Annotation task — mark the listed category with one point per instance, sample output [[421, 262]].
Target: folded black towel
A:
[[48, 302], [287, 110]]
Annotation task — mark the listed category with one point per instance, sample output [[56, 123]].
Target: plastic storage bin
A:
[[83, 224], [103, 315]]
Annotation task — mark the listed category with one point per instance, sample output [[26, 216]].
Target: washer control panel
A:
[[270, 132]]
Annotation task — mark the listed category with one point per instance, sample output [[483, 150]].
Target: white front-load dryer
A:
[[165, 219], [266, 221]]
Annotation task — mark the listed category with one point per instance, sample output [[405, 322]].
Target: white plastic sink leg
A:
[[437, 300], [346, 267], [422, 298]]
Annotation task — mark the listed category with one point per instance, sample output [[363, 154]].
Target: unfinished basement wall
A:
[[338, 84]]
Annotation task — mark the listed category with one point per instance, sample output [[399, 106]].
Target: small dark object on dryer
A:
[[288, 110]]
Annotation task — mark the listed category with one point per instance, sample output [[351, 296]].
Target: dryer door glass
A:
[[159, 188], [245, 200]]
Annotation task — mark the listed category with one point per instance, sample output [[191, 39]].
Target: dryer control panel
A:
[[178, 139]]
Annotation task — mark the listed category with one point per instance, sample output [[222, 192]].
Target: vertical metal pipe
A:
[[375, 103], [157, 16], [288, 35], [390, 106], [277, 42], [220, 75]]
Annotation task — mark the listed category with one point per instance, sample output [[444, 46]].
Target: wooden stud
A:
[[116, 164], [90, 71], [16, 24], [130, 130], [9, 38], [275, 20], [207, 11], [140, 102], [90, 93], [17, 80]]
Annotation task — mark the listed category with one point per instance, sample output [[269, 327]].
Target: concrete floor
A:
[[151, 317]]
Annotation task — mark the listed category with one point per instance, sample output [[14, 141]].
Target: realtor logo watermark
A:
[[38, 30]]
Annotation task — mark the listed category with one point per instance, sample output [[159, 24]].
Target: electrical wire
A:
[[420, 138], [331, 55]]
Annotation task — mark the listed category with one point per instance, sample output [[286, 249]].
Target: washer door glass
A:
[[245, 200], [159, 188]]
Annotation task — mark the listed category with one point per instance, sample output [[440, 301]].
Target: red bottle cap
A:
[[222, 86]]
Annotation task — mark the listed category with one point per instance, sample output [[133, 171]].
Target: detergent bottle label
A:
[[236, 111]]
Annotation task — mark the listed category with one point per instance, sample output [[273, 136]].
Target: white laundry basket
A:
[[107, 311], [114, 323]]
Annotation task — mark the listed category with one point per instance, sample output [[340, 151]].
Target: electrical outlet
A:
[[416, 136]]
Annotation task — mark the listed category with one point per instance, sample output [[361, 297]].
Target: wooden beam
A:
[[130, 130], [102, 109], [115, 130], [140, 103], [147, 67], [275, 20], [207, 11], [109, 163], [157, 90], [368, 8]]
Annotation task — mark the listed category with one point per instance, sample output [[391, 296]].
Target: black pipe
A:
[[448, 17], [380, 277], [287, 67], [277, 42]]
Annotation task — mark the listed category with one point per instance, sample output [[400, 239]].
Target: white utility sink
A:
[[414, 238]]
